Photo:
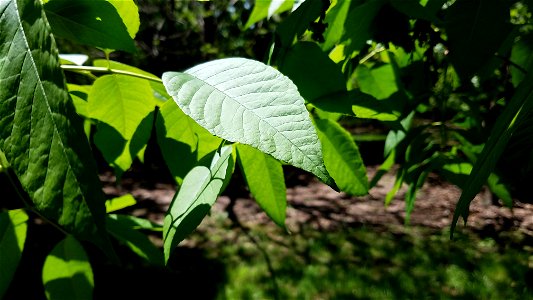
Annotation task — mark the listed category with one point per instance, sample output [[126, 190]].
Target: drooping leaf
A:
[[475, 30], [42, 136], [136, 241], [125, 104], [266, 8], [514, 114], [67, 273], [342, 157], [195, 197], [245, 101], [129, 13], [264, 177], [90, 22], [182, 141], [13, 227], [119, 203]]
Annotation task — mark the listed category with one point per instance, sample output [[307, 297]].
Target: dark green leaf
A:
[[91, 22], [358, 26], [42, 136], [475, 30], [514, 114], [139, 243]]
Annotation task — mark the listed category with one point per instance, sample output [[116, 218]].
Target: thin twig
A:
[[108, 71]]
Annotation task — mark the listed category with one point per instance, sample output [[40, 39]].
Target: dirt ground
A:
[[311, 203]]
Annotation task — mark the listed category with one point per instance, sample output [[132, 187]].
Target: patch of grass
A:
[[366, 263]]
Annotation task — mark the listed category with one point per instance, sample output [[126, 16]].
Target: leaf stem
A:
[[109, 71]]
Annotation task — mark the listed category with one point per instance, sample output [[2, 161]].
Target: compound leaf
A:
[[246, 101]]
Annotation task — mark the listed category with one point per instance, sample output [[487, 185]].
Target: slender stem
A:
[[109, 70], [372, 53]]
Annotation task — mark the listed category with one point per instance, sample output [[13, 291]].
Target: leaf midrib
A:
[[254, 113], [49, 110]]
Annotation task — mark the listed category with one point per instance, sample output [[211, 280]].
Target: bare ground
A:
[[312, 203]]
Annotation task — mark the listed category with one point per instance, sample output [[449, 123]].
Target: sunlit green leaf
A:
[[266, 8], [264, 177], [67, 273], [342, 158], [379, 81], [195, 197], [119, 203], [245, 101], [125, 105], [13, 227], [129, 13]]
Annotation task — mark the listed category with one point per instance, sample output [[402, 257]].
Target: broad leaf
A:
[[264, 177], [298, 21], [342, 158], [67, 273], [125, 104], [335, 18], [136, 223], [13, 227], [379, 81], [475, 30], [182, 141], [305, 58], [138, 242], [91, 22], [245, 101], [129, 13], [195, 197], [42, 136], [266, 8]]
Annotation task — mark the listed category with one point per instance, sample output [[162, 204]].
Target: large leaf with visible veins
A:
[[40, 133], [246, 101]]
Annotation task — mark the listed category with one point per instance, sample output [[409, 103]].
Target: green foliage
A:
[[67, 273], [449, 80], [41, 132], [264, 177], [13, 227], [199, 191]]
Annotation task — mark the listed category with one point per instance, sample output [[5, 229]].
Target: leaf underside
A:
[[246, 101]]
